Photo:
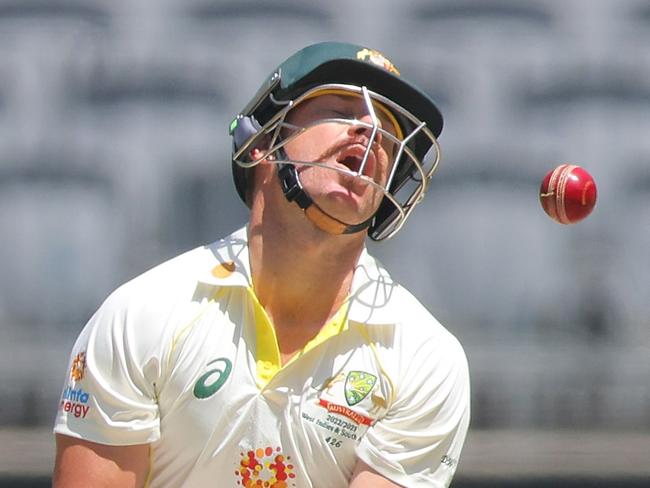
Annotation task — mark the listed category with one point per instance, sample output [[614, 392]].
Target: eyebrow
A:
[[381, 109]]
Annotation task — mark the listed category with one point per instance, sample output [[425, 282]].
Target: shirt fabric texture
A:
[[184, 358]]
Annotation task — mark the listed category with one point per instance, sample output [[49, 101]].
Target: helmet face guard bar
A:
[[409, 175]]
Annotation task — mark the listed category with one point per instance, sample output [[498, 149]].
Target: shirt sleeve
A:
[[419, 440], [109, 392]]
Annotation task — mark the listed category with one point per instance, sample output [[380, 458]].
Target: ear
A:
[[256, 153]]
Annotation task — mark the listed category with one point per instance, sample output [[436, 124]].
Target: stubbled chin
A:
[[347, 198], [351, 205]]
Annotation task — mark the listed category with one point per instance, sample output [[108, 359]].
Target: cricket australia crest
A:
[[358, 385]]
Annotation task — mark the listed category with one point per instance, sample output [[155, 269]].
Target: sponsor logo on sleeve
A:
[[75, 401]]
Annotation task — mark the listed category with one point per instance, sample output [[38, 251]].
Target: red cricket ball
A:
[[568, 194]]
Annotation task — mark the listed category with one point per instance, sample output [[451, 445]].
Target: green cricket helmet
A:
[[341, 67]]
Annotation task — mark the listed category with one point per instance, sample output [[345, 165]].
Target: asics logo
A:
[[211, 381]]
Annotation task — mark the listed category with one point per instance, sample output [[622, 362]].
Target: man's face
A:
[[342, 146]]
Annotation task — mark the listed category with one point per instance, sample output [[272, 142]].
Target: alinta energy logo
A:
[[75, 401], [265, 467]]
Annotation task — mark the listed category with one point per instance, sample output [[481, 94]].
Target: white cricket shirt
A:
[[185, 359]]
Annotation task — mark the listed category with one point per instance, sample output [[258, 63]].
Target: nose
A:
[[363, 129]]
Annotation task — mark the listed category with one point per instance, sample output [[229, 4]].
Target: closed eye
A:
[[337, 114]]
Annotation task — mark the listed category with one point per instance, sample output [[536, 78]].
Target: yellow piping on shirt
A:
[[183, 332], [385, 375]]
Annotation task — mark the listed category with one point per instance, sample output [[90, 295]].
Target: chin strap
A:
[[294, 192]]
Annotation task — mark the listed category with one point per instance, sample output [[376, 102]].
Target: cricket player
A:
[[283, 355]]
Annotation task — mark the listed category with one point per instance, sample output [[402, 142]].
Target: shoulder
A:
[[175, 278], [416, 333], [150, 308], [408, 335], [377, 298], [187, 277]]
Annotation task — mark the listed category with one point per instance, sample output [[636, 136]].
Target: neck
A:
[[301, 274], [301, 278]]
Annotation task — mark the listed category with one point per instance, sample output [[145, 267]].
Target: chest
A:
[[307, 419]]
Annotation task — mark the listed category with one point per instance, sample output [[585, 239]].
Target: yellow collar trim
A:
[[267, 350]]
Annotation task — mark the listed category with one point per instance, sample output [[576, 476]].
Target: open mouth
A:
[[351, 162], [352, 157]]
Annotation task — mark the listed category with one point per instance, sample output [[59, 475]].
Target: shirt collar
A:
[[370, 292], [227, 261]]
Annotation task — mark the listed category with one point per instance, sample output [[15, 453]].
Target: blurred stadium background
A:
[[114, 156]]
